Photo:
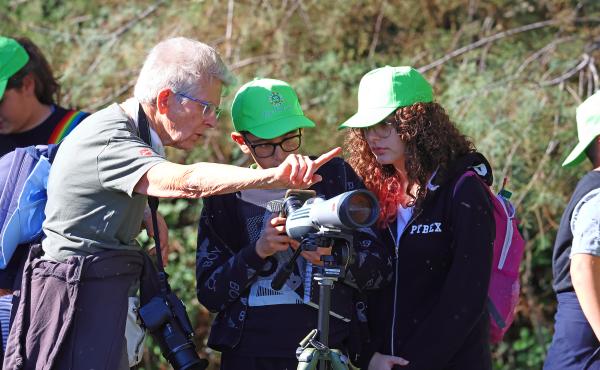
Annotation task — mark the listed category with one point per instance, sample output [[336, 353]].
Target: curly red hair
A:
[[432, 143]]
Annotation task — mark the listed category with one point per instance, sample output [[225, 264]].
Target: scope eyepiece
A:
[[292, 204]]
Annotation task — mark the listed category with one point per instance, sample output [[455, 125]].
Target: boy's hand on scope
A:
[[273, 238]]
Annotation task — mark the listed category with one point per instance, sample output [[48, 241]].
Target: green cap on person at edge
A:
[[383, 90], [13, 57], [267, 108], [588, 128]]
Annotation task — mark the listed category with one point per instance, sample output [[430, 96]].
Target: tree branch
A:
[[487, 40], [151, 9], [376, 31], [535, 56], [111, 98], [550, 148], [594, 73], [229, 30], [565, 76], [261, 58]]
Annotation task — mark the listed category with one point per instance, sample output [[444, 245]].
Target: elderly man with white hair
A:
[[75, 287]]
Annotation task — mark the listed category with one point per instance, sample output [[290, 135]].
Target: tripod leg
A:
[[308, 359], [336, 361]]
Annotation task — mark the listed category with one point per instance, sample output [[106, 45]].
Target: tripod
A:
[[312, 351]]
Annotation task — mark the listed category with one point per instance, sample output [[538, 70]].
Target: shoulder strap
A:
[[19, 164], [51, 151], [144, 130], [463, 177], [458, 183]]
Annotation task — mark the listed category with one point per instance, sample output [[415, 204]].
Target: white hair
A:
[[179, 63]]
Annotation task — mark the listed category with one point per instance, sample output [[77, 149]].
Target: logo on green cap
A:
[[276, 99]]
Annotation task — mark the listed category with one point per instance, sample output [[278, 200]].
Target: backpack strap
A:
[[460, 180], [52, 150], [457, 184], [19, 164], [463, 177]]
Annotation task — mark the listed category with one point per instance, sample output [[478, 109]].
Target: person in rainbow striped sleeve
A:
[[29, 114]]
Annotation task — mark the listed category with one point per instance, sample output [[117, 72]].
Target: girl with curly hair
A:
[[403, 145]]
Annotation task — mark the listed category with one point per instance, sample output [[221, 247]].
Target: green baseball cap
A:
[[267, 108], [588, 128], [383, 90], [13, 57]]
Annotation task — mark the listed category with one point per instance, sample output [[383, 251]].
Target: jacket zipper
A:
[[396, 247]]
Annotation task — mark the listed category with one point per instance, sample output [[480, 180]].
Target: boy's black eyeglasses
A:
[[265, 150]]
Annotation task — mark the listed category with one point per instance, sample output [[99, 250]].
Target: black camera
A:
[[166, 319]]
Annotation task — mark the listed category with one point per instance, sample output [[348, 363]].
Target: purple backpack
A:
[[503, 292], [23, 179]]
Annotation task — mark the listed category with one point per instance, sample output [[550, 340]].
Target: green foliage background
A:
[[514, 92]]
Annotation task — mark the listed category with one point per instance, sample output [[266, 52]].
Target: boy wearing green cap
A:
[[29, 114], [576, 256], [411, 155], [241, 245]]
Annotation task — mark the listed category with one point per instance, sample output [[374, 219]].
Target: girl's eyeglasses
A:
[[382, 130]]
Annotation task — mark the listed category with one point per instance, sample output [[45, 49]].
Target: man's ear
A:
[[162, 100], [239, 140]]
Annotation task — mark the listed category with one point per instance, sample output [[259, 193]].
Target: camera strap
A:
[[144, 130], [175, 330]]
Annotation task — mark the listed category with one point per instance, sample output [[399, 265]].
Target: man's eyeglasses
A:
[[209, 108], [265, 150], [382, 130]]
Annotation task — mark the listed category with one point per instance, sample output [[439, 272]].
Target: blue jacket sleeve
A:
[[224, 267]]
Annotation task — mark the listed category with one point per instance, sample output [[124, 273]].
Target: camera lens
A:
[[360, 208], [186, 358]]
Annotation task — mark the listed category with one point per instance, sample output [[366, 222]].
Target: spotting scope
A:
[[316, 222], [348, 211]]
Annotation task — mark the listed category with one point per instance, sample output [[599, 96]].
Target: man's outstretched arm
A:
[[171, 180]]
